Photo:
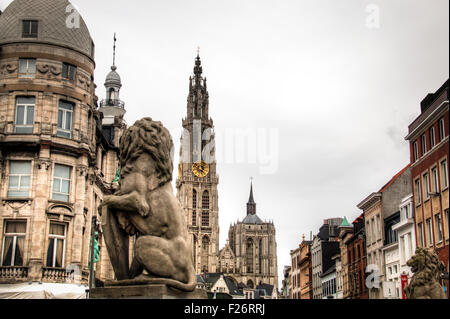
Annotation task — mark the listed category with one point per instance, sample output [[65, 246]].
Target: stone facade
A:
[[295, 274], [254, 251], [55, 163]]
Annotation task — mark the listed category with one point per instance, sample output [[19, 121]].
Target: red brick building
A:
[[429, 142], [356, 254]]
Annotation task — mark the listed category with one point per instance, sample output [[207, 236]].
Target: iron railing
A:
[[112, 102]]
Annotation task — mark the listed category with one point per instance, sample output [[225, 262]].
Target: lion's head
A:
[[417, 262], [426, 263], [148, 136]]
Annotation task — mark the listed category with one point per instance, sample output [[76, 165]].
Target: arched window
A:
[[205, 254], [260, 256], [250, 256], [205, 207], [194, 218], [205, 200], [194, 199], [112, 94], [250, 284], [194, 208], [205, 218]]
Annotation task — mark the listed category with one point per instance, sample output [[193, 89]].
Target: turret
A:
[[112, 107]]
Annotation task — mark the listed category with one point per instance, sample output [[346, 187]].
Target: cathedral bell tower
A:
[[197, 177]]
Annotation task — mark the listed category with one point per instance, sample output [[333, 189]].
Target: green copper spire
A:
[[345, 223]]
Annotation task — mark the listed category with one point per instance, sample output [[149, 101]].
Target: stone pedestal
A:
[[145, 292]]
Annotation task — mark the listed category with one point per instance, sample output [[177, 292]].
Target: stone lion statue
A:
[[144, 206], [427, 269]]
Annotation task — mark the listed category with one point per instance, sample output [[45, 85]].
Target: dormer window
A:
[[69, 71], [30, 29]]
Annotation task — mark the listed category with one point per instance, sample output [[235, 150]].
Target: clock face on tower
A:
[[200, 169]]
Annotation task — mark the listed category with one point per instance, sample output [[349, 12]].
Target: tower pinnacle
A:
[[251, 205], [198, 69], [198, 100], [114, 51]]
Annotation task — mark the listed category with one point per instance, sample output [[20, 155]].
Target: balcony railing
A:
[[111, 102], [62, 275], [13, 273]]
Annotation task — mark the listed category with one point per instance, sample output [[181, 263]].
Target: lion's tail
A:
[[189, 287], [186, 287]]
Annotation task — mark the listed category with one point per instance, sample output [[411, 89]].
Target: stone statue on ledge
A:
[[427, 269], [144, 206]]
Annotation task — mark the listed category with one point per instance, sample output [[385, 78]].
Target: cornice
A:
[[430, 118], [370, 201]]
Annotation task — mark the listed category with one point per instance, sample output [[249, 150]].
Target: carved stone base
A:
[[145, 292]]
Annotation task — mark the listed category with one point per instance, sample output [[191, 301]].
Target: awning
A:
[[42, 291]]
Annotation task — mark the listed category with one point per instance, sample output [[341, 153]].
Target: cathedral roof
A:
[[52, 28], [252, 219]]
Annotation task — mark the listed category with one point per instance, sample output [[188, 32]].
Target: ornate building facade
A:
[[57, 160], [250, 256], [197, 176]]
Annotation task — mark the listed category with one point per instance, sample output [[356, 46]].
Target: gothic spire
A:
[[251, 205], [251, 199], [198, 99], [198, 69]]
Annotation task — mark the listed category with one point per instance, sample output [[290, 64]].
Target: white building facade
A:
[[392, 272], [406, 236], [316, 255], [329, 284]]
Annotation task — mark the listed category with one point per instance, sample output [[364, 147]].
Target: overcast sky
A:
[[340, 94]]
